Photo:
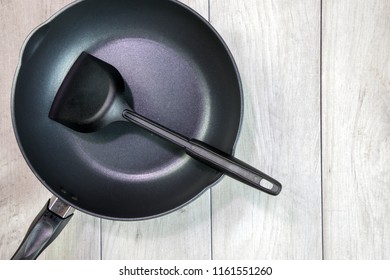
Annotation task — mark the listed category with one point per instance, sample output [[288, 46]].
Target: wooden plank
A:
[[277, 48], [356, 123], [184, 234], [21, 194]]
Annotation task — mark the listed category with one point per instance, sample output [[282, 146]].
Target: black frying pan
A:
[[181, 74]]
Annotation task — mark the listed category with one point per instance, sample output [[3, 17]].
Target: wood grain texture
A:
[[184, 234], [21, 195], [356, 122], [277, 48], [276, 45]]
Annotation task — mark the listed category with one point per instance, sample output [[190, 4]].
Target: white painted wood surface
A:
[[276, 45], [277, 48], [356, 122]]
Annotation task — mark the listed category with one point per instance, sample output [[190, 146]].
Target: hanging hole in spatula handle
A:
[[233, 167]]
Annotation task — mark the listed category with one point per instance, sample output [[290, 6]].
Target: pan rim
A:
[[69, 202]]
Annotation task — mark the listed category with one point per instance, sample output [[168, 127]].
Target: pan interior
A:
[[181, 75], [163, 83]]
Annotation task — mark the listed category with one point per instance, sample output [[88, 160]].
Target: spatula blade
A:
[[86, 94]]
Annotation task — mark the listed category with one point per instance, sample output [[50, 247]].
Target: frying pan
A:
[[182, 75]]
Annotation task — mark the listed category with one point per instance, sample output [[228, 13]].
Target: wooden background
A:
[[316, 77]]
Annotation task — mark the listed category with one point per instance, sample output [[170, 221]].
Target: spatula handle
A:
[[233, 167], [211, 156]]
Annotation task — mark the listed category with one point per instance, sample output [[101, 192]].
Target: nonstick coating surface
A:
[[181, 75]]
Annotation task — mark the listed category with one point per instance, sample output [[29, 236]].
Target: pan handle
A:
[[49, 223], [233, 167]]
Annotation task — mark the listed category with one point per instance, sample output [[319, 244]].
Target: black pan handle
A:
[[49, 223], [233, 167]]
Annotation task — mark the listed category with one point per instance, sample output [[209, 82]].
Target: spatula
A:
[[92, 96]]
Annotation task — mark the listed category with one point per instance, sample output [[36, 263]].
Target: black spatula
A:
[[93, 96]]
